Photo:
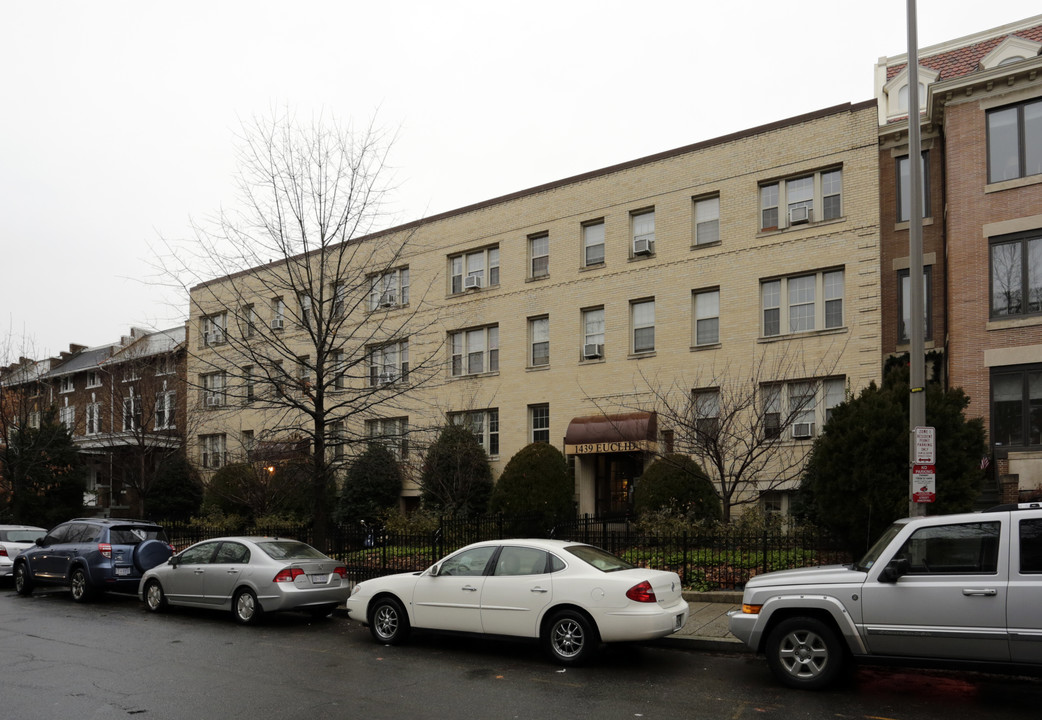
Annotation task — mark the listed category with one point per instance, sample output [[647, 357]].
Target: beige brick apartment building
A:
[[982, 129], [552, 314]]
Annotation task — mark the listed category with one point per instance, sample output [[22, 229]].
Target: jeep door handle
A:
[[539, 590], [198, 571], [233, 571], [980, 591], [469, 588]]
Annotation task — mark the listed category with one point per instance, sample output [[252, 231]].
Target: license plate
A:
[[122, 571], [678, 621], [320, 579]]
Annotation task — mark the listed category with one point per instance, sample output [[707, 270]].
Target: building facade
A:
[[563, 314]]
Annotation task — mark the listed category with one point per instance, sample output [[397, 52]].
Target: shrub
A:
[[372, 485], [536, 486], [456, 479], [676, 480], [176, 493]]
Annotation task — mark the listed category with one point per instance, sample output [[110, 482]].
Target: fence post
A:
[[765, 550], [683, 577]]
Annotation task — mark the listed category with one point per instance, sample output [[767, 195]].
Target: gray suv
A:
[[944, 591], [91, 556]]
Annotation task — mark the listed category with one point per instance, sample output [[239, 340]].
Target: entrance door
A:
[[616, 473]]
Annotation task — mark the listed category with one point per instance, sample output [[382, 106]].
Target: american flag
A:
[[984, 462]]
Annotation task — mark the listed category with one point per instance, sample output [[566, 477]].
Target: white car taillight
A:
[[641, 592]]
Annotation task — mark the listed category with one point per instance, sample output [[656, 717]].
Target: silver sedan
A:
[[249, 576], [14, 539]]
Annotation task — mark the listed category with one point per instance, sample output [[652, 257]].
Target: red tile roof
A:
[[965, 60]]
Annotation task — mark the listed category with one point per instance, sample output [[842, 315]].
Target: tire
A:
[[23, 579], [155, 598], [805, 653], [246, 608], [388, 622], [570, 638], [151, 553], [79, 583]]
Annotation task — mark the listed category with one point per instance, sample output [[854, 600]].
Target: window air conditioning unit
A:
[[643, 245], [802, 429], [388, 299], [472, 282], [386, 378], [799, 215], [213, 401], [276, 323], [592, 351]]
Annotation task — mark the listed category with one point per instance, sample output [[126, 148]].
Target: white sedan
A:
[[569, 595], [249, 576], [14, 539]]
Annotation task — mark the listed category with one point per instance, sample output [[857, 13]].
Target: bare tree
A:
[[308, 319], [748, 427]]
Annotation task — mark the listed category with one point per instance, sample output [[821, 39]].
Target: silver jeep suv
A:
[[944, 591]]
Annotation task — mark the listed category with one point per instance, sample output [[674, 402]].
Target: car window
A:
[[85, 533], [22, 535], [135, 535], [1031, 546], [468, 562], [58, 534], [290, 550], [963, 549], [556, 564], [198, 554], [600, 559], [232, 552], [520, 561]]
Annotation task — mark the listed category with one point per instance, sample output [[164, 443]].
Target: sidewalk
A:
[[706, 626]]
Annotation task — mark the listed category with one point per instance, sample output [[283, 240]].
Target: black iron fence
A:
[[713, 558]]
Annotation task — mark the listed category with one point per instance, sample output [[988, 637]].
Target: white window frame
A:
[[212, 450], [539, 341], [94, 379], [132, 412], [166, 406], [810, 400], [304, 305], [483, 264], [707, 220], [821, 191], [705, 407], [642, 227], [593, 329], [392, 432], [388, 363], [67, 416], [539, 255], [466, 345], [593, 237], [389, 289], [784, 303], [278, 314], [215, 388], [215, 329], [67, 384], [93, 417], [707, 316], [485, 426], [249, 321], [539, 422], [639, 321]]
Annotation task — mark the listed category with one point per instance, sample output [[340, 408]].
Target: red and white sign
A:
[[925, 446], [924, 483]]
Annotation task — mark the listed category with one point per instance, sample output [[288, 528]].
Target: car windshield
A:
[[24, 535], [135, 535], [290, 550], [600, 559], [880, 545]]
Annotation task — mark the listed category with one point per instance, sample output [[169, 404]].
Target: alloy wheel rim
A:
[[804, 654], [386, 622], [568, 638]]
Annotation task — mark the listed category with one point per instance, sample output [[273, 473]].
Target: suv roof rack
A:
[[1009, 507]]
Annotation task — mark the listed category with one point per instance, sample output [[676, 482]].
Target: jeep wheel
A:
[[80, 585], [23, 581], [804, 652]]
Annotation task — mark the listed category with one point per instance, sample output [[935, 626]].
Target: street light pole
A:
[[916, 353]]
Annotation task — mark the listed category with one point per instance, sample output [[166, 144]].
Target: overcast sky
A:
[[118, 119]]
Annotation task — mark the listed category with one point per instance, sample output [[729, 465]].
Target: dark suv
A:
[[92, 555]]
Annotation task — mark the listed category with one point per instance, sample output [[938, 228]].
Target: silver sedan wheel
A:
[[154, 596], [246, 608]]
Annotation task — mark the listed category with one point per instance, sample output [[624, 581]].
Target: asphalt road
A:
[[112, 659]]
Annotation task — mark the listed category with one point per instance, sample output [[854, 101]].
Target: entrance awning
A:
[[628, 432]]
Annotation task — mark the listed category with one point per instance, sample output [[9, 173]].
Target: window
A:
[[131, 372], [475, 351], [1015, 141], [339, 371], [1016, 275], [904, 305], [304, 373], [794, 407], [705, 405], [1030, 546], [93, 417], [132, 412], [248, 443], [389, 289], [165, 406], [474, 270], [593, 243], [904, 184], [793, 201], [67, 417], [485, 426], [393, 433], [593, 333], [964, 549], [278, 314], [164, 365], [212, 448], [249, 321], [335, 439], [214, 327], [643, 225], [1016, 406], [539, 341], [792, 303], [514, 561], [338, 293], [213, 389], [642, 320], [67, 384], [93, 379], [707, 317], [707, 220], [539, 255], [249, 385], [304, 303], [388, 363], [539, 422]]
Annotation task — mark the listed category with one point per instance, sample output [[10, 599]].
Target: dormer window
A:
[[896, 91], [1011, 50]]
